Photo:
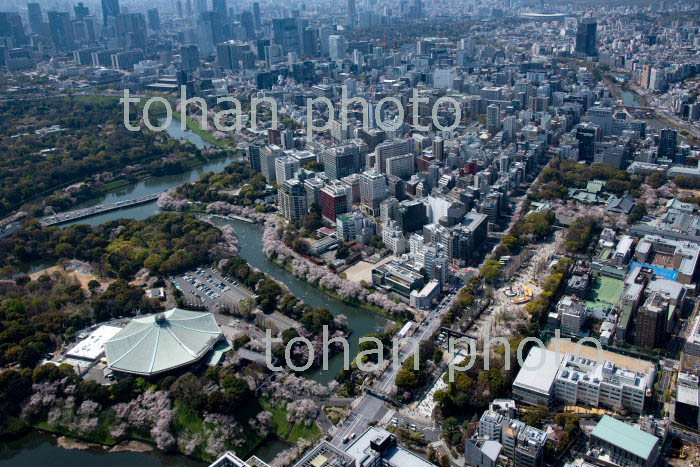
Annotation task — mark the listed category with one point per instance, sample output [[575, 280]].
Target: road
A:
[[370, 408], [427, 328]]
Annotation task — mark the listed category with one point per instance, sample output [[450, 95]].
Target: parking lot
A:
[[210, 288]]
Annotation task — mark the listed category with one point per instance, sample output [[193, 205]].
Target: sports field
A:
[[606, 291]]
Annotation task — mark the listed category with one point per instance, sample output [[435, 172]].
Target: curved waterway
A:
[[39, 449], [360, 320]]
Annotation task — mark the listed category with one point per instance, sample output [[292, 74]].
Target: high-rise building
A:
[[587, 135], [268, 154], [313, 191], [337, 47], [256, 15], [336, 199], [110, 11], [131, 30], [61, 29], [227, 55], [373, 190], [651, 321], [292, 200], [392, 148], [154, 19], [401, 166], [493, 118], [248, 24], [200, 6], [310, 42], [80, 11], [439, 149], [668, 144], [344, 160], [286, 34], [11, 26], [324, 33], [189, 57], [36, 19], [254, 154], [587, 37], [352, 13], [285, 168], [389, 210], [219, 7], [210, 31]]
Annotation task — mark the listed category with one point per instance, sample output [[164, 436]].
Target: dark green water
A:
[[37, 449]]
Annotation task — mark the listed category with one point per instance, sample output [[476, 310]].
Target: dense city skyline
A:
[[350, 234]]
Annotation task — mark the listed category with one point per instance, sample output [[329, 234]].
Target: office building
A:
[[401, 166], [389, 149], [341, 161], [110, 11], [219, 7], [587, 134], [227, 55], [352, 13], [36, 19], [256, 15], [131, 30], [285, 168], [189, 57], [313, 191], [286, 34], [292, 200], [154, 19], [587, 37], [336, 199], [268, 154], [337, 47], [668, 144], [61, 30], [373, 190]]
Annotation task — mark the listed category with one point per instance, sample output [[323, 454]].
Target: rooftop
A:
[[539, 370], [161, 342], [625, 437], [362, 450]]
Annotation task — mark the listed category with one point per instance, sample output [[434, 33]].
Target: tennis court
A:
[[606, 291]]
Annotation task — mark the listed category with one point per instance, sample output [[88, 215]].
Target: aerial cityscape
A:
[[347, 233]]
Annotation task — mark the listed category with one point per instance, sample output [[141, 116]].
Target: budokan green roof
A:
[[158, 343]]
